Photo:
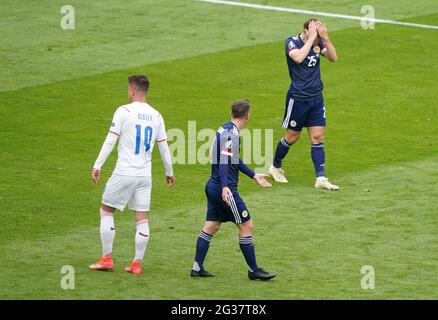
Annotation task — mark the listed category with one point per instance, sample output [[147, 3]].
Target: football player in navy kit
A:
[[304, 100], [223, 200]]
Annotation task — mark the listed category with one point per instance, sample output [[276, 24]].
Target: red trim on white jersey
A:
[[114, 133], [161, 141]]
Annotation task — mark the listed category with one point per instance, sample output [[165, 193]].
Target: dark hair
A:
[[306, 23], [240, 108], [140, 82]]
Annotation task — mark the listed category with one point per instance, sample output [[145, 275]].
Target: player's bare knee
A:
[[292, 136], [215, 228], [141, 216], [106, 210], [246, 228], [211, 227], [317, 138]]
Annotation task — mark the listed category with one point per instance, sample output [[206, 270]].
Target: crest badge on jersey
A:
[[316, 49], [291, 45], [228, 150]]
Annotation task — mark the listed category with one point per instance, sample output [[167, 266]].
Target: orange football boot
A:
[[134, 268], [104, 264]]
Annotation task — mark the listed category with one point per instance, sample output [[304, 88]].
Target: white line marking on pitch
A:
[[318, 13]]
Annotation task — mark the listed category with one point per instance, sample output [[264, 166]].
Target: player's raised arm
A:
[[329, 50], [299, 55], [165, 153], [108, 144]]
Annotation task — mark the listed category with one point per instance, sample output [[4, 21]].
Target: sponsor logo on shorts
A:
[[293, 123]]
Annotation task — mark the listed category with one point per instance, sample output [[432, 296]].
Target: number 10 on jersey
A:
[[147, 138]]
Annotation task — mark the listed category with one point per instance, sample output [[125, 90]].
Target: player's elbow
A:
[[164, 149], [110, 141], [296, 57], [298, 60]]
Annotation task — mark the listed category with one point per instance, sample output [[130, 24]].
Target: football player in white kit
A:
[[138, 126]]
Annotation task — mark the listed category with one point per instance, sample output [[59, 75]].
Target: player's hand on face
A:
[[226, 193], [261, 180], [95, 175], [322, 30], [313, 31], [170, 181]]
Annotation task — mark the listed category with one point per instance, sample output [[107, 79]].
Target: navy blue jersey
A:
[[306, 76], [226, 164]]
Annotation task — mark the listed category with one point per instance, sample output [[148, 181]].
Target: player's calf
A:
[[202, 246], [142, 235], [284, 145], [281, 151], [246, 244], [107, 234]]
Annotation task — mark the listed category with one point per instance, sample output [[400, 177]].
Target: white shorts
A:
[[122, 190]]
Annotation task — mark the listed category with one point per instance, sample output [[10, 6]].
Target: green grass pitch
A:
[[59, 88]]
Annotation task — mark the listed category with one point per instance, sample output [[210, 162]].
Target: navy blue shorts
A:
[[299, 114], [218, 210]]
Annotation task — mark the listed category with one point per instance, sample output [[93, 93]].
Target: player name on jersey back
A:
[[139, 126]]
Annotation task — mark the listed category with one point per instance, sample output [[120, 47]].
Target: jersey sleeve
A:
[[290, 46], [228, 152], [322, 45], [116, 125], [229, 144], [245, 169], [161, 133]]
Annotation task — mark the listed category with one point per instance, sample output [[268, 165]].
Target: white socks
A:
[[107, 233], [141, 239]]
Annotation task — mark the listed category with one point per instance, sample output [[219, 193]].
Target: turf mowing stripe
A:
[[319, 13]]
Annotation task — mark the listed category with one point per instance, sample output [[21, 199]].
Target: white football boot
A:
[[323, 183], [277, 174]]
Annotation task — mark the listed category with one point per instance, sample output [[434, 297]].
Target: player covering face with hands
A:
[[138, 126], [304, 100], [223, 200]]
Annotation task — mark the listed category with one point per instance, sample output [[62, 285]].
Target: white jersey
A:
[[138, 126]]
